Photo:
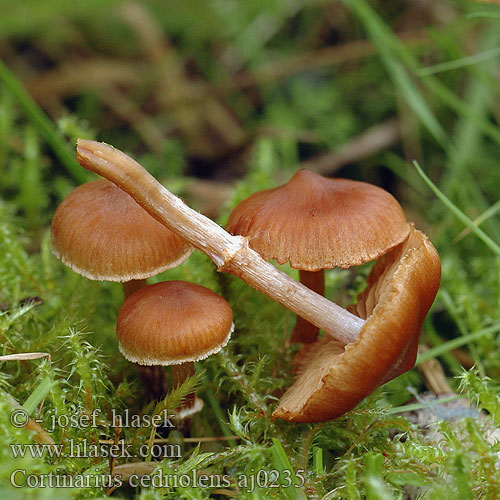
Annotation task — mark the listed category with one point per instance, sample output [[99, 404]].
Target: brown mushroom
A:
[[100, 232], [316, 223], [173, 323], [331, 378]]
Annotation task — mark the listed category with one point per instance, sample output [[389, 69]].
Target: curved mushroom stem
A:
[[229, 253], [129, 287], [153, 377], [304, 331]]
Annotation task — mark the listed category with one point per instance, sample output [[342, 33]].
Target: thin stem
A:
[[229, 253], [153, 380], [458, 213], [181, 372], [129, 287], [304, 331]]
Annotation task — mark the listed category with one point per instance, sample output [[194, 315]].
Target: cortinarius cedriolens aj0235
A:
[[100, 232], [332, 378], [364, 348], [174, 323], [315, 223]]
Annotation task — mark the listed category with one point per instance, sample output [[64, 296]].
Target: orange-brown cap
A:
[[102, 233], [173, 322], [315, 223], [333, 379]]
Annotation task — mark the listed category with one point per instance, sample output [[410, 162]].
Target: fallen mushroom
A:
[[174, 323], [331, 378], [230, 253], [315, 223]]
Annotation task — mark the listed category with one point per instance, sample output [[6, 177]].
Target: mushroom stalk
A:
[[180, 373], [304, 331], [129, 287], [153, 380], [229, 253]]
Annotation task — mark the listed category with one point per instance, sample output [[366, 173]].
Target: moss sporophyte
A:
[[373, 342]]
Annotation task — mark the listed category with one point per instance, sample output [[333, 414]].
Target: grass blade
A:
[[460, 63], [292, 490], [420, 406], [374, 484], [387, 46], [43, 124], [458, 213], [397, 58], [440, 349], [35, 398]]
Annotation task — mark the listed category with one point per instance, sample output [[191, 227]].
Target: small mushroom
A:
[[173, 323], [316, 223], [332, 378], [100, 232]]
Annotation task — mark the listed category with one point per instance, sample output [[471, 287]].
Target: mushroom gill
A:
[[331, 379]]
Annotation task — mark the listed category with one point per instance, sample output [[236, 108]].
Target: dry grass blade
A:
[[22, 356], [73, 77], [125, 471], [205, 123], [130, 112], [329, 56], [371, 141], [208, 439], [433, 375], [40, 435]]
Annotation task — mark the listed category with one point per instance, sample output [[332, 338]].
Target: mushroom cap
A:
[[100, 232], [173, 322], [332, 378], [315, 223]]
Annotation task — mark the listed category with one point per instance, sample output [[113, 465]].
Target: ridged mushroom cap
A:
[[173, 322], [315, 223], [100, 232], [333, 378]]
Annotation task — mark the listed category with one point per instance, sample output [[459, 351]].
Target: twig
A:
[[40, 435], [433, 374], [371, 141]]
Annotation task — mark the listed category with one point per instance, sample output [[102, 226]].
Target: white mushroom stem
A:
[[229, 253]]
